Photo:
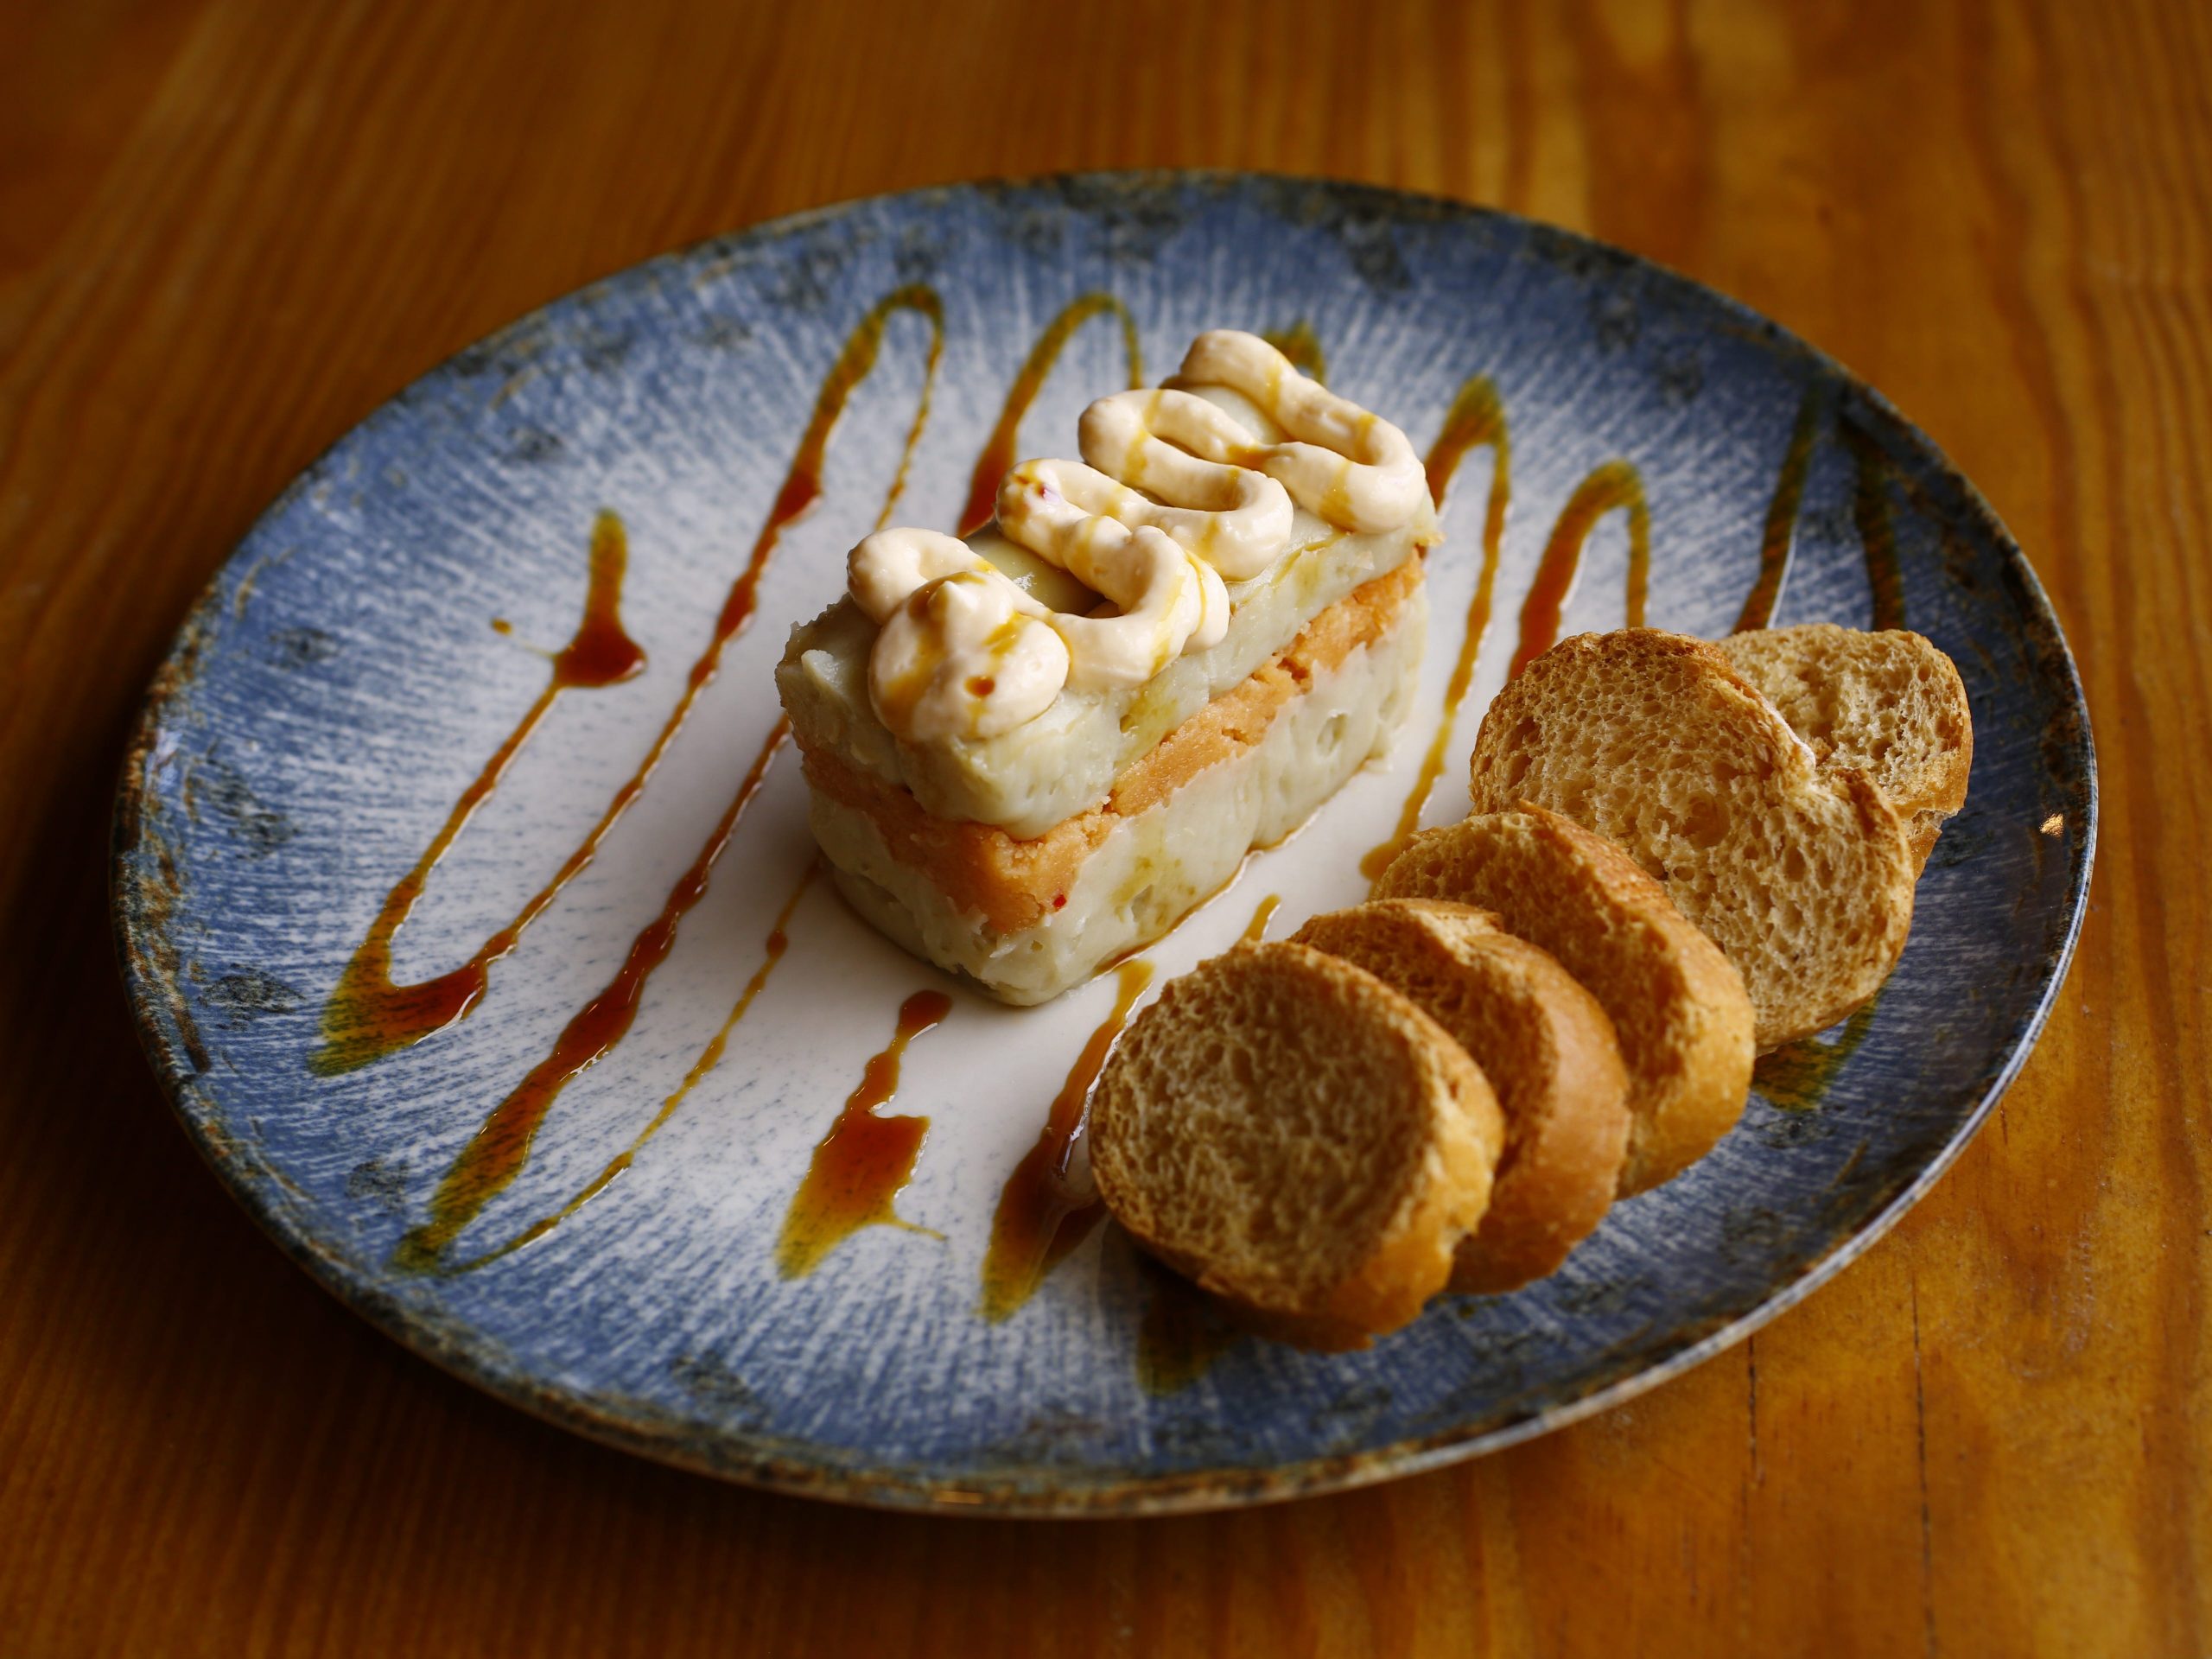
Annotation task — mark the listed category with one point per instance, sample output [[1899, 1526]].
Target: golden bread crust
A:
[[1548, 1049], [1231, 1143], [1889, 702], [1801, 873], [1678, 1006]]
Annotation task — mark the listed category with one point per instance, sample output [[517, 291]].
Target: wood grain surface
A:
[[227, 231]]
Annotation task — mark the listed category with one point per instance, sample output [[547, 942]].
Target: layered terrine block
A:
[[1036, 750]]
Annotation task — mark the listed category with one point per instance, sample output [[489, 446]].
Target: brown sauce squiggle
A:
[[1796, 1076], [1041, 1216], [492, 1161], [1612, 486], [368, 1016], [1476, 418], [864, 1162], [1303, 348], [772, 953], [1182, 1334], [1256, 929], [998, 452], [1877, 536], [1781, 526]]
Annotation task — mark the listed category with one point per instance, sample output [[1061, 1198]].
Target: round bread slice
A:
[[1678, 1006], [1299, 1139], [1800, 873], [1548, 1051], [1888, 702]]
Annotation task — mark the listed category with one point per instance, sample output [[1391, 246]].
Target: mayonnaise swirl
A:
[[1170, 601], [1173, 495], [1344, 464], [1238, 522], [961, 650]]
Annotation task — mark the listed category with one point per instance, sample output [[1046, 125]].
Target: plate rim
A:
[[746, 1457]]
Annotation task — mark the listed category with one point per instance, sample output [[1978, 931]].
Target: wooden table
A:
[[227, 231]]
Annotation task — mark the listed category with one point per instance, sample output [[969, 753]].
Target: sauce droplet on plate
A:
[[861, 1164], [1042, 1214]]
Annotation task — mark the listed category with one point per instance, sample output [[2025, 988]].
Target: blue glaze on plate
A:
[[341, 684]]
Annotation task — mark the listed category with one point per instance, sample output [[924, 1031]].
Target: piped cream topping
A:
[[1344, 463], [1172, 495], [961, 650], [1236, 522]]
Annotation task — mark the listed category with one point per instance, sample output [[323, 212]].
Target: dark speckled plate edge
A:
[[165, 1031]]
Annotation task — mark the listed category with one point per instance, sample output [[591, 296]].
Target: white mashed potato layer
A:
[[1153, 868], [1065, 760]]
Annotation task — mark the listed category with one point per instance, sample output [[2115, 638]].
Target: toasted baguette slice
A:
[[1297, 1137], [1887, 703], [1800, 872], [1678, 1006], [1548, 1051]]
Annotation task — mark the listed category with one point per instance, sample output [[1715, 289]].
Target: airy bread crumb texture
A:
[[1297, 1137], [1546, 1047], [1890, 703], [1800, 873], [1679, 1009]]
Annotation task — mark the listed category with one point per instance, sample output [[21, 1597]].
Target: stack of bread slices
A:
[[1681, 856]]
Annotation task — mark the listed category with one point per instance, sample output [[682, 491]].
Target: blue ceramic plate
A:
[[556, 1131]]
